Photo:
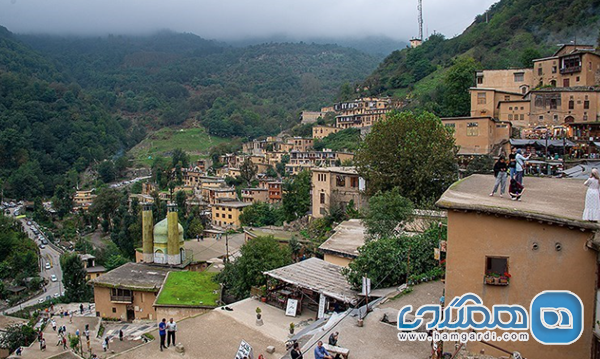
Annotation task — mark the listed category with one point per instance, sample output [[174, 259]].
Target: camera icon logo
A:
[[556, 317]]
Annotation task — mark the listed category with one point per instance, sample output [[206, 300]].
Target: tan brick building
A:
[[335, 186], [128, 292], [363, 112], [227, 214], [508, 252], [255, 195], [479, 135], [320, 132]]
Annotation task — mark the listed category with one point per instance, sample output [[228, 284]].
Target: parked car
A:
[[41, 300], [29, 223], [48, 266], [53, 278], [56, 295], [42, 246]]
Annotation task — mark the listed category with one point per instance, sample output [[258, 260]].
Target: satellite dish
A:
[[517, 355]]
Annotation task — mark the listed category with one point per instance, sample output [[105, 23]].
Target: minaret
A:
[[173, 255], [147, 233]]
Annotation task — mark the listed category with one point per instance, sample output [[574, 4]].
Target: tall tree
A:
[[248, 170], [180, 157], [76, 287], [62, 201], [459, 78], [296, 196], [414, 152], [257, 256], [385, 212]]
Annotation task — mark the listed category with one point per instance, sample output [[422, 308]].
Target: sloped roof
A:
[[134, 276], [348, 237], [319, 276]]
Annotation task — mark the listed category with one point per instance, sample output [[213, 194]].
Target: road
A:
[[47, 255]]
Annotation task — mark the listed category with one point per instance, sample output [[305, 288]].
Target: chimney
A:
[[173, 255], [147, 233]]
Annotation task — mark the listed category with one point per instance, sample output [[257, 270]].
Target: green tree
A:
[[181, 200], [385, 212], [459, 78], [194, 228], [62, 201], [528, 55], [76, 287], [261, 214], [258, 255], [414, 152], [105, 204], [107, 171], [181, 158], [17, 335], [248, 170], [389, 261], [296, 196], [115, 261]]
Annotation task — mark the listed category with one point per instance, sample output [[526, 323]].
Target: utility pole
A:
[[420, 8]]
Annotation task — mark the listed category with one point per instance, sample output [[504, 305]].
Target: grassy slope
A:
[[193, 140], [190, 288]]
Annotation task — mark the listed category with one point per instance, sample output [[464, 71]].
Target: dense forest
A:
[[510, 34], [67, 103]]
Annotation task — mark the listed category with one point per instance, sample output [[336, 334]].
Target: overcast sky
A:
[[238, 19]]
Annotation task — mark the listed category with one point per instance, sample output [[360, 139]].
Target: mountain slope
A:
[[167, 78], [509, 34]]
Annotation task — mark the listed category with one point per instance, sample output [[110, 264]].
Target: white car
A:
[[48, 266], [41, 300], [53, 278], [56, 295]]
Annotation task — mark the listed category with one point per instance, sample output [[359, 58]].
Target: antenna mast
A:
[[420, 8]]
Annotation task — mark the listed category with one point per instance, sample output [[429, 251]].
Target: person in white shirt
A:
[[171, 329], [520, 159]]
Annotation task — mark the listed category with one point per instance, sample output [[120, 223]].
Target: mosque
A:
[[162, 243]]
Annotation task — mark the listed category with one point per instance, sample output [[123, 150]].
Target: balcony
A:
[[570, 70], [121, 299]]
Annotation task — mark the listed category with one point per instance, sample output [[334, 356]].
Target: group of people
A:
[[320, 351], [514, 169], [167, 330]]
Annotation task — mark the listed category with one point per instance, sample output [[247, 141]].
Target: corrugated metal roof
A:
[[319, 276]]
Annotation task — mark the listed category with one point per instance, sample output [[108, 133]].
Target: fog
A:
[[239, 19]]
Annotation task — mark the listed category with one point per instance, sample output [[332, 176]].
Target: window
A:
[[553, 104], [340, 181], [480, 79], [322, 198], [522, 117], [353, 182], [519, 76], [541, 118], [577, 79], [590, 65], [496, 265], [553, 83], [566, 83], [481, 97], [510, 108], [571, 104], [553, 69], [522, 108], [114, 310], [472, 129], [229, 216], [506, 98], [586, 105], [217, 215], [510, 117]]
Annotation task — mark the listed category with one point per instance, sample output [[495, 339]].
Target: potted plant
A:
[[258, 311], [292, 326]]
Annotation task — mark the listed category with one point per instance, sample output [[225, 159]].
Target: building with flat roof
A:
[[342, 247], [227, 214], [508, 252], [479, 135], [128, 292]]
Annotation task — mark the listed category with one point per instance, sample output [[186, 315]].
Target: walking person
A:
[[162, 331], [120, 334], [520, 166], [106, 340], [512, 162], [592, 197], [296, 353], [500, 169], [171, 329]]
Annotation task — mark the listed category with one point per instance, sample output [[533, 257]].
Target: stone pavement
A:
[[79, 321]]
